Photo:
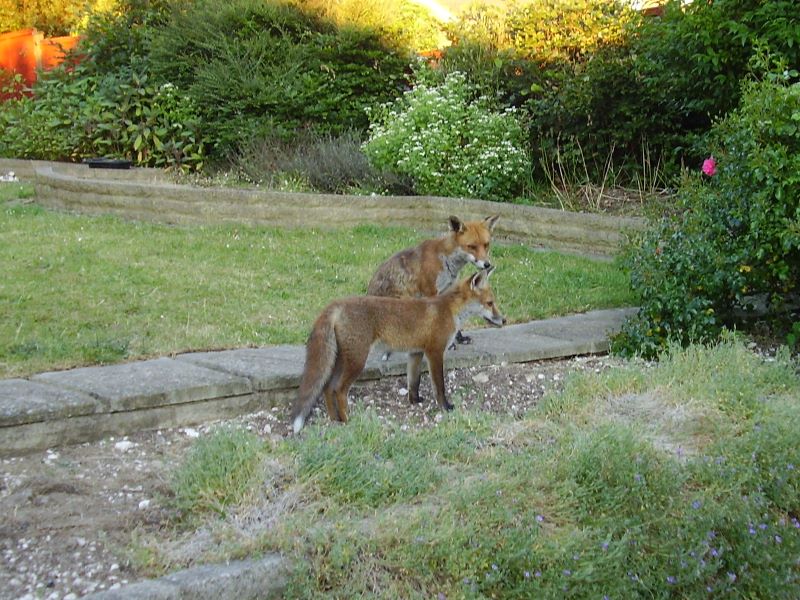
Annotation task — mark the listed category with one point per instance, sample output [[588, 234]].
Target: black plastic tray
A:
[[108, 163]]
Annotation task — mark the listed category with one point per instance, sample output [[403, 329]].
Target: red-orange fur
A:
[[343, 334], [421, 271]]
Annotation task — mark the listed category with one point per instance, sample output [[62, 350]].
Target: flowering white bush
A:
[[448, 144]]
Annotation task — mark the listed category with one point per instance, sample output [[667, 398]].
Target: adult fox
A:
[[434, 265], [343, 334]]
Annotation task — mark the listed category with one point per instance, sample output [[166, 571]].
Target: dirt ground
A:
[[69, 514]]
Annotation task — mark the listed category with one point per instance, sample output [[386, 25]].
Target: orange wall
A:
[[27, 50]]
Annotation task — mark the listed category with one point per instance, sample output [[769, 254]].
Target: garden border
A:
[[150, 195]]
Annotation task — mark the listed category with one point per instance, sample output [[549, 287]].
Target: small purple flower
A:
[[567, 572], [672, 580], [714, 552], [494, 567], [637, 477], [762, 526], [604, 546], [778, 539], [751, 530], [731, 577], [790, 467], [696, 504], [540, 518], [527, 574], [537, 574]]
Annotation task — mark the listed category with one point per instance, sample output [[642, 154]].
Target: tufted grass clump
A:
[[218, 471]]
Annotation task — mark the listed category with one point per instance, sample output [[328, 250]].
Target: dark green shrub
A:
[[121, 37], [656, 86], [692, 60], [734, 238], [260, 69]]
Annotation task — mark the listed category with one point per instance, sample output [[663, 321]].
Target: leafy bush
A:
[[693, 59], [657, 83], [261, 69], [74, 114], [450, 143], [734, 238]]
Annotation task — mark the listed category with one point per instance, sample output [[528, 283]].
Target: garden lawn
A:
[[80, 290]]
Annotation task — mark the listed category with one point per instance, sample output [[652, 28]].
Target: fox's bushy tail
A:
[[321, 350]]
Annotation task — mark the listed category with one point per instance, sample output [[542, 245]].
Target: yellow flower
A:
[[745, 268]]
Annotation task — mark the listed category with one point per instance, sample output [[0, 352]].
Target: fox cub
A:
[[434, 265], [343, 334]]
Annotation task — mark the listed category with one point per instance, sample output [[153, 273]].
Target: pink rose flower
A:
[[710, 166]]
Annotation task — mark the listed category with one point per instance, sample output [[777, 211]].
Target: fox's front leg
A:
[[436, 366], [413, 372]]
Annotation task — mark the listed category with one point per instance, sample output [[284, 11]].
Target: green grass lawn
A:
[[79, 290], [679, 479]]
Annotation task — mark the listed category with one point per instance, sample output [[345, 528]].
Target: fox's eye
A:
[[472, 247]]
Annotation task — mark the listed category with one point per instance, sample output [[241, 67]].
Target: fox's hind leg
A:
[[330, 387], [413, 371], [352, 365], [436, 368]]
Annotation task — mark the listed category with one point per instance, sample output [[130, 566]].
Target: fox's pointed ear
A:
[[480, 279], [490, 221], [456, 225]]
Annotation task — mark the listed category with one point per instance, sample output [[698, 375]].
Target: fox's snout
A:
[[497, 320], [482, 264]]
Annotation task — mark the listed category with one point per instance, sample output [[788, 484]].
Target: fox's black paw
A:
[[462, 339], [448, 406], [416, 399]]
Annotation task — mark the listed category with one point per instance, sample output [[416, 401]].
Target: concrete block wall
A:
[[148, 194]]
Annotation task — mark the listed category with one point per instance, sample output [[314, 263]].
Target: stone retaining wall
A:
[[147, 194]]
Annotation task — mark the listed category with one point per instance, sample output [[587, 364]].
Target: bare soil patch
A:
[[70, 514]]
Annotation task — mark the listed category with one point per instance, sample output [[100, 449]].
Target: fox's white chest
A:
[[451, 266]]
